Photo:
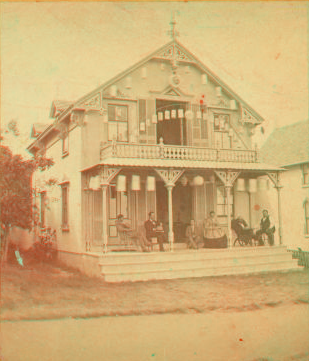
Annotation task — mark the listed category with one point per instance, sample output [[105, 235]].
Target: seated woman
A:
[[124, 228], [192, 239], [214, 236]]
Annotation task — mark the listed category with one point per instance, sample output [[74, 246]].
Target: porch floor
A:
[[186, 263]]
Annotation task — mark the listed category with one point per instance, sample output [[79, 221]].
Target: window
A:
[[118, 123], [199, 124], [142, 115], [42, 209], [306, 206], [305, 170], [65, 145], [65, 206], [222, 202], [118, 203], [221, 131]]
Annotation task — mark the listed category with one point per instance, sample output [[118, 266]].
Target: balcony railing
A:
[[162, 151]]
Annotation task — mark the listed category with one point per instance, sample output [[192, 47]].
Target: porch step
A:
[[194, 263]]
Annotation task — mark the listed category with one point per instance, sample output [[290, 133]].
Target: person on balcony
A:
[[265, 229], [125, 228], [192, 239], [154, 230]]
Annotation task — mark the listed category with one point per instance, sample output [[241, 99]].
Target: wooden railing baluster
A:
[[162, 151]]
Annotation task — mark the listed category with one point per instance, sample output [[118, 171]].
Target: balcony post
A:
[[257, 154], [161, 145]]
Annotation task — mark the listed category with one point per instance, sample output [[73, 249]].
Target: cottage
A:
[[288, 147], [166, 135]]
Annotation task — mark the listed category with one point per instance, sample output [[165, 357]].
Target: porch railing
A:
[[302, 256], [162, 151]]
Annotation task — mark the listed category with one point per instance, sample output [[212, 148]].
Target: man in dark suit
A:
[[152, 231], [265, 229]]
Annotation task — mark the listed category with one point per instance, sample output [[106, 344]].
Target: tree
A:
[[16, 192]]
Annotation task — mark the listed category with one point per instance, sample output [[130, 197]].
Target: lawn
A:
[[46, 292]]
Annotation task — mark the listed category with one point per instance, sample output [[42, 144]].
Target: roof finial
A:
[[173, 32]]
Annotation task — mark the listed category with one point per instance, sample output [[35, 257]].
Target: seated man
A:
[[265, 229], [124, 227], [192, 239], [154, 231]]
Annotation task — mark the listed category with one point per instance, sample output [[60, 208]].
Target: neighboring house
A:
[[166, 135], [288, 147]]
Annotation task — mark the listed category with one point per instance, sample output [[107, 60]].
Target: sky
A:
[[63, 50]]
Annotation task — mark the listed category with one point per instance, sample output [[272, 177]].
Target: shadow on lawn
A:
[[51, 291]]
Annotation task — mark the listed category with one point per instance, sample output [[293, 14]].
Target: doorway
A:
[[182, 208], [171, 125]]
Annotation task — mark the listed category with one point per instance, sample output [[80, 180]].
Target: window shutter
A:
[[111, 112], [151, 127], [142, 115], [65, 206], [142, 120], [196, 127], [189, 126], [204, 125]]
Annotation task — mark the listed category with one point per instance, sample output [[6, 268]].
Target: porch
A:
[[175, 195], [183, 263]]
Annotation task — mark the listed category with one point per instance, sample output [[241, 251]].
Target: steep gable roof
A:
[[59, 106], [37, 129], [287, 145], [164, 52]]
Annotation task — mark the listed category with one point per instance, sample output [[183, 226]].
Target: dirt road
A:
[[269, 334]]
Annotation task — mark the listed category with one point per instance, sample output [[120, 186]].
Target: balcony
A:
[[175, 152]]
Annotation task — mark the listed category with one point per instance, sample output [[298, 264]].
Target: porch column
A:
[[106, 175], [250, 209], [169, 188], [104, 217], [275, 178], [279, 213], [170, 177], [228, 178], [229, 228]]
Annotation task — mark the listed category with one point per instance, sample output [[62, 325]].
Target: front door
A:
[[182, 208], [171, 125]]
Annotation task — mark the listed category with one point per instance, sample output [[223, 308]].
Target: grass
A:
[[47, 292]]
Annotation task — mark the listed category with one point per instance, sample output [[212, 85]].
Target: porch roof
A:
[[189, 164]]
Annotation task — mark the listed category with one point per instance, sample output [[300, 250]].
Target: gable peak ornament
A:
[[173, 32]]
